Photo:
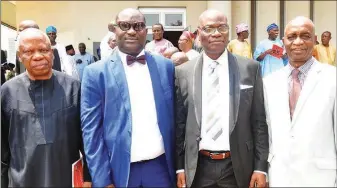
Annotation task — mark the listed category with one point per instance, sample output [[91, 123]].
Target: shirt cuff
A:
[[179, 171], [258, 171]]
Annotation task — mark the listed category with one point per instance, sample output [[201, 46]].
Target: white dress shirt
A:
[[147, 142], [222, 143]]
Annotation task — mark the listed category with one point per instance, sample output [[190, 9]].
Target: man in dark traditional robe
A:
[[40, 120]]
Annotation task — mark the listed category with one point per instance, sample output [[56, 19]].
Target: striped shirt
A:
[[304, 70]]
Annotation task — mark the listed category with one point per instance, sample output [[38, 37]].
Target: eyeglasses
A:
[[211, 30], [125, 26]]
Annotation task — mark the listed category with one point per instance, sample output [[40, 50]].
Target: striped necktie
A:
[[214, 129]]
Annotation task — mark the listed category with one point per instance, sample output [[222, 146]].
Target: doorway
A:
[[173, 37]]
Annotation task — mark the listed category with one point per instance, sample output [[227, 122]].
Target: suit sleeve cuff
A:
[[180, 171]]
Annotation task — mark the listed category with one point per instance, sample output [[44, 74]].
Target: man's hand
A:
[[284, 56], [87, 184], [270, 51], [110, 186], [181, 180], [258, 179]]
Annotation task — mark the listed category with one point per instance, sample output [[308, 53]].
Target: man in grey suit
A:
[[221, 130]]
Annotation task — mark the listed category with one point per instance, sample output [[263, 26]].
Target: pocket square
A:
[[245, 86]]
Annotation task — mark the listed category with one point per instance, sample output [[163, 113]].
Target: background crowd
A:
[[188, 47]]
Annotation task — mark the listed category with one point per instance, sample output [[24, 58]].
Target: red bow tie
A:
[[131, 59]]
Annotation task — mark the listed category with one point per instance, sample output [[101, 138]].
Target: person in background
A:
[[112, 44], [241, 46], [314, 52], [4, 66], [316, 39], [70, 50], [40, 120], [170, 51], [325, 52], [25, 24], [98, 51], [179, 58], [127, 112], [196, 43], [112, 41], [300, 103], [71, 53], [265, 54], [65, 65], [82, 59], [185, 44], [105, 49], [158, 44]]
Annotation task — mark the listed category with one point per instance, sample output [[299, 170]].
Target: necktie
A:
[[295, 91], [214, 128], [131, 59]]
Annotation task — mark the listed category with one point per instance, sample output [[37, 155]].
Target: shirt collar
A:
[[221, 60], [123, 55], [304, 69]]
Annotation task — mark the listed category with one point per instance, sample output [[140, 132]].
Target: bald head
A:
[[32, 33], [170, 51], [27, 24], [131, 13], [300, 21], [299, 40], [211, 14], [179, 58], [213, 33]]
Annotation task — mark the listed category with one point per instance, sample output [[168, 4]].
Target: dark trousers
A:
[[151, 173], [214, 173]]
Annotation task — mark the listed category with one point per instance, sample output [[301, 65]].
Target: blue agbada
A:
[[269, 63], [82, 61]]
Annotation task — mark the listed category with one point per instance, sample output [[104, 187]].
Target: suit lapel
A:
[[281, 99], [234, 91], [118, 72], [309, 84], [197, 89]]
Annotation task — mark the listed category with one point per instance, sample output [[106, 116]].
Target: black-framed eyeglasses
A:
[[137, 26], [211, 30]]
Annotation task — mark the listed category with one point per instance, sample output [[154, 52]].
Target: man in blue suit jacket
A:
[[127, 112]]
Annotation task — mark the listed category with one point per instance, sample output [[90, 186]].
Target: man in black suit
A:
[[221, 130]]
